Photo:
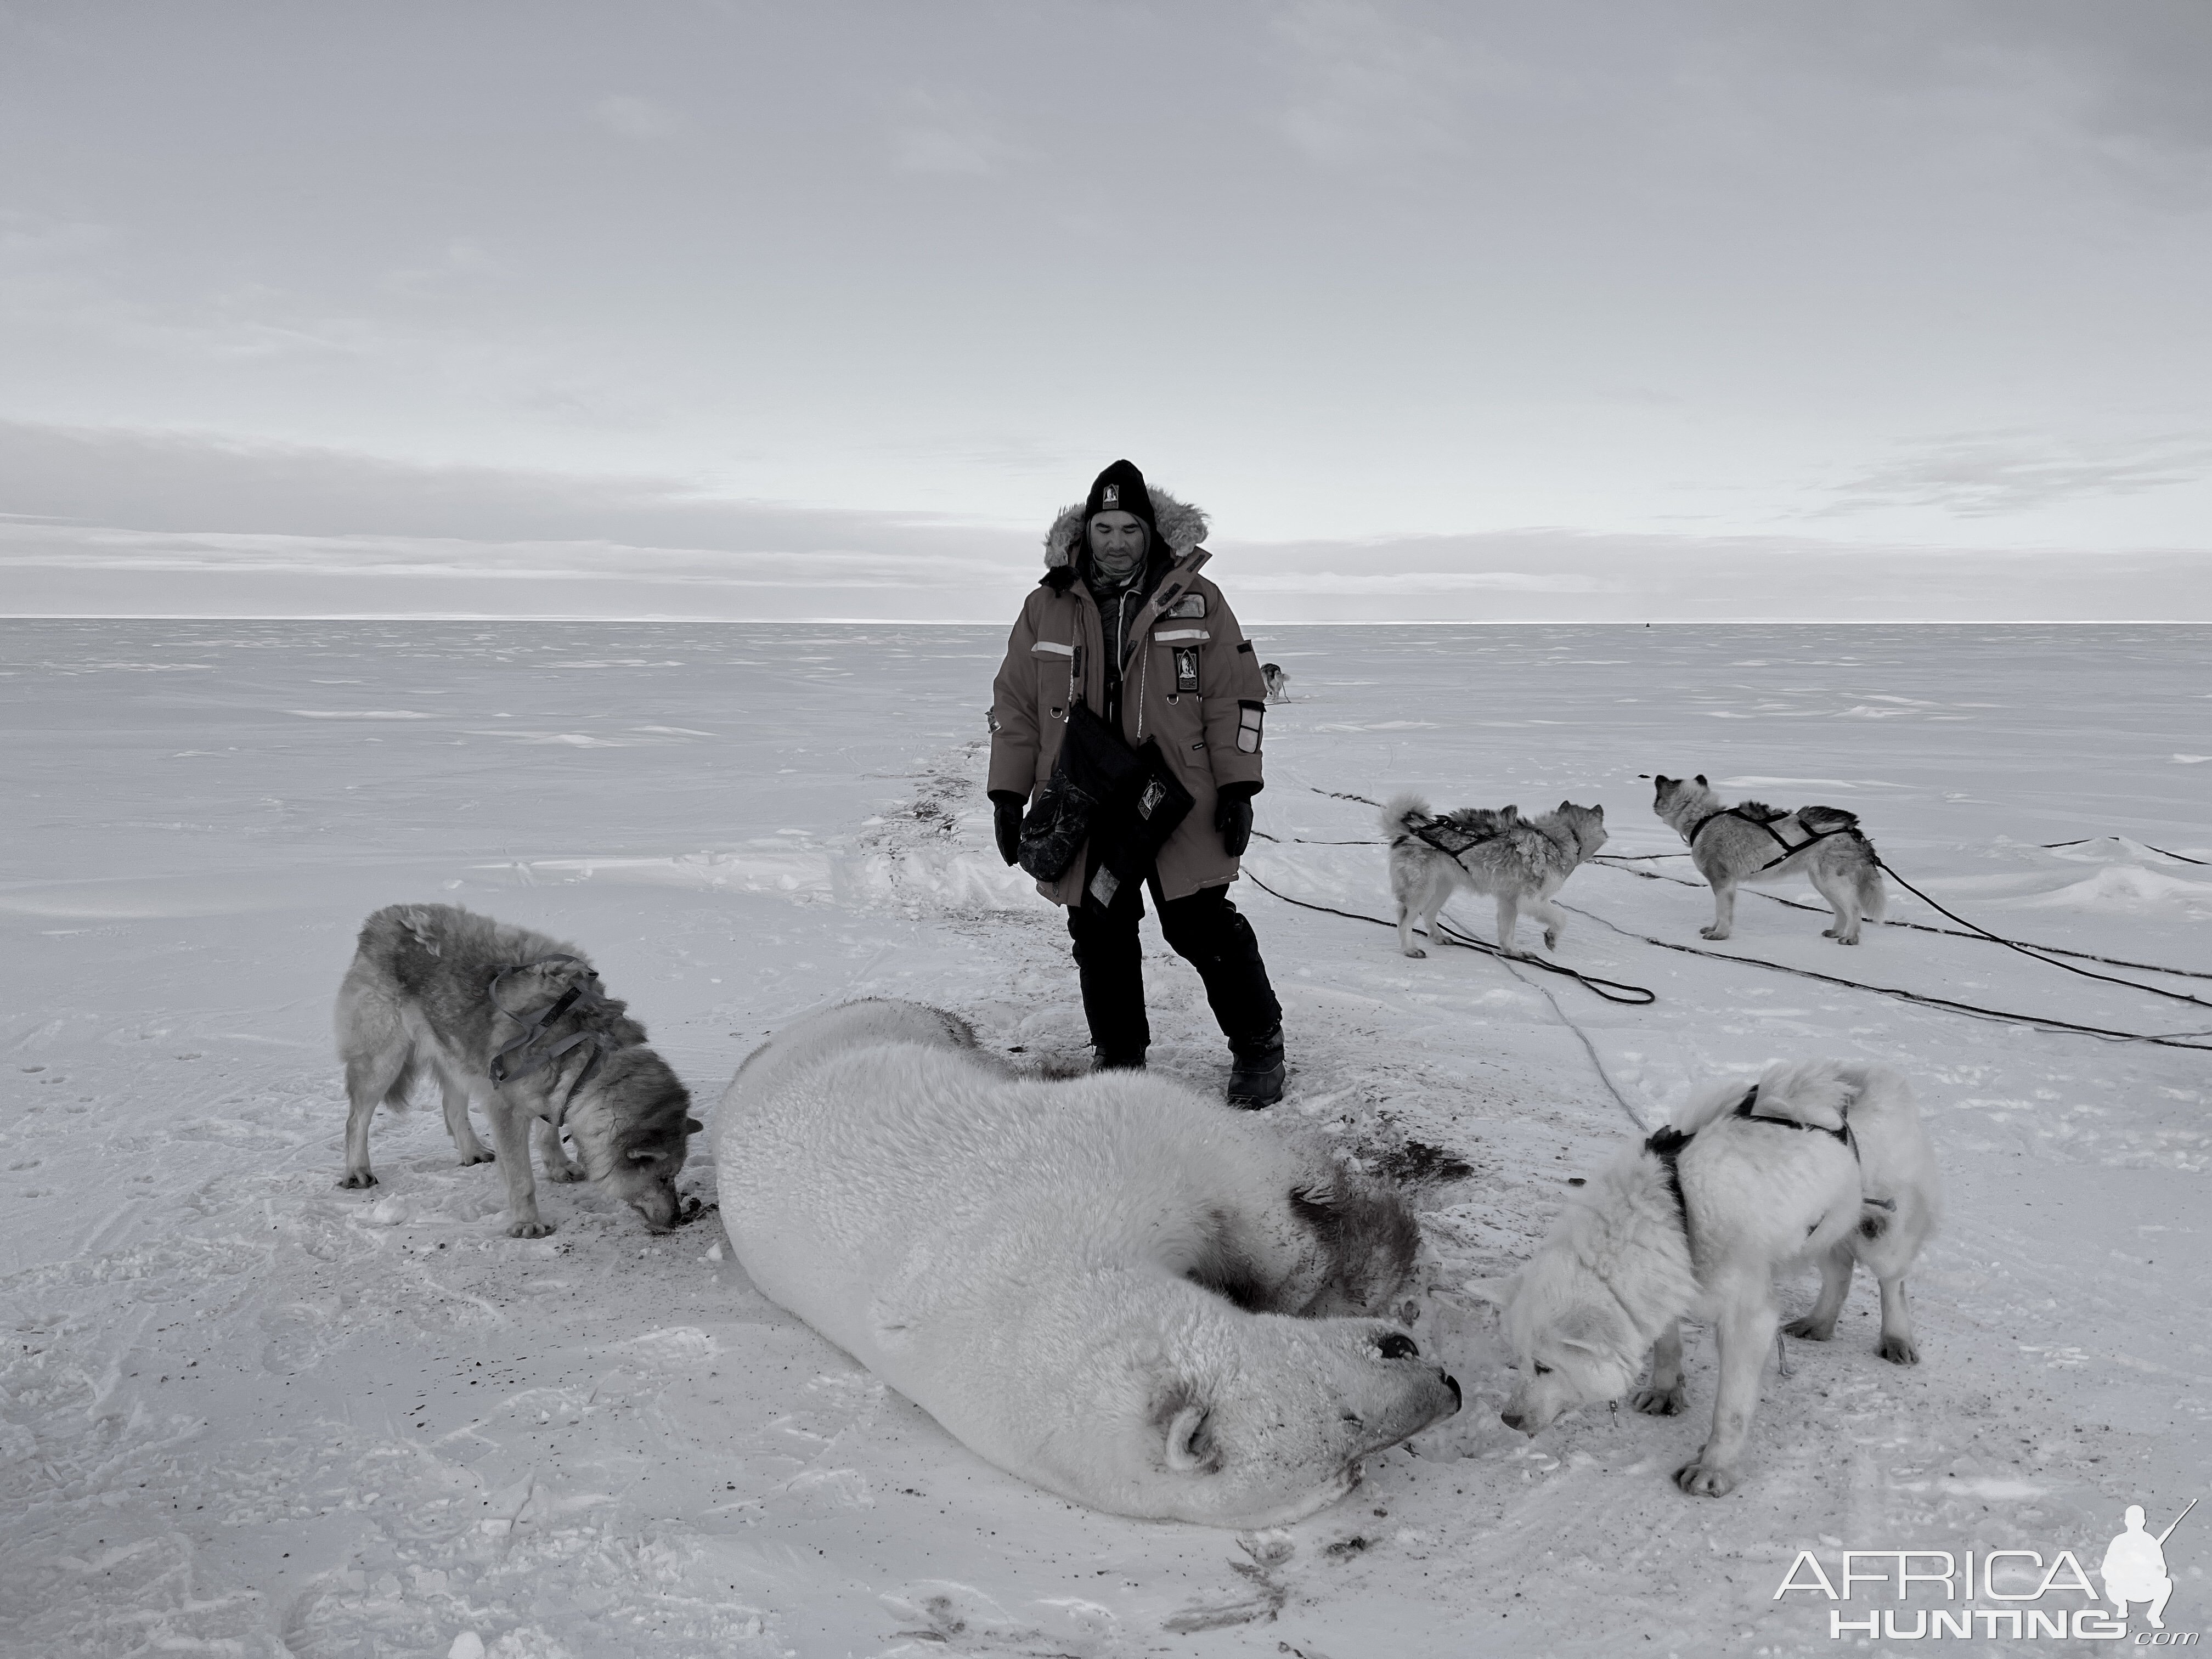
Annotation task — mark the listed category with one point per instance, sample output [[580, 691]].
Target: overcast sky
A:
[[1623, 310]]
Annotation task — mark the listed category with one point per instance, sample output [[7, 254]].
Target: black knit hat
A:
[[1120, 489]]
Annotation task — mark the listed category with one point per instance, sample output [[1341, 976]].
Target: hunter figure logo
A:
[[2135, 1567], [1109, 498]]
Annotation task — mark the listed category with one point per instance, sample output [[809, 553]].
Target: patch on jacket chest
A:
[[1185, 665], [1190, 604]]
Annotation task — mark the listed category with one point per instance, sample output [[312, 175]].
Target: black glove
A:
[[1233, 817], [1008, 824]]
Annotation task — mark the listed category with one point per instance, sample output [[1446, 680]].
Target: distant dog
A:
[[1518, 861], [514, 1021], [1820, 1159], [1279, 682], [1753, 842]]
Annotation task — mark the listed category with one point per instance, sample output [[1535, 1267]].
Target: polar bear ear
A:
[[1190, 1448]]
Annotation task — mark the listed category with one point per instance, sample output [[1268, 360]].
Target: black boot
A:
[[1119, 1060], [1256, 1079]]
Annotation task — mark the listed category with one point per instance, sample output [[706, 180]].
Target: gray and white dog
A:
[[1824, 1159], [515, 1021], [1518, 861], [1753, 842], [1279, 681]]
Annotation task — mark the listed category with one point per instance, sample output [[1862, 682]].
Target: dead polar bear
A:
[[1094, 1284]]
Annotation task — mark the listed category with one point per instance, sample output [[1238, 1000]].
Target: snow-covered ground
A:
[[244, 1412]]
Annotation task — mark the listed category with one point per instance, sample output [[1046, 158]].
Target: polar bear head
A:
[[1231, 1419]]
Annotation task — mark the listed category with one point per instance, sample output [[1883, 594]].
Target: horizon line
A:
[[994, 622]]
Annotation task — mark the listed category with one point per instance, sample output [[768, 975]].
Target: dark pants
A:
[[1205, 930]]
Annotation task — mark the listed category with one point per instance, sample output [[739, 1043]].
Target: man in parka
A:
[[1123, 622]]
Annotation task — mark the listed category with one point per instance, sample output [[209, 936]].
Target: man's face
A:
[[1117, 543]]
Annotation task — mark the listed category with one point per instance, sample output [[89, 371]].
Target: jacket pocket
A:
[[1057, 667]]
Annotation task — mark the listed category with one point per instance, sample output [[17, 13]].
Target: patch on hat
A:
[[1111, 498]]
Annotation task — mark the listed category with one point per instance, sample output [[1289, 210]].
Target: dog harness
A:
[[527, 1052], [1788, 848], [1666, 1145], [1449, 841]]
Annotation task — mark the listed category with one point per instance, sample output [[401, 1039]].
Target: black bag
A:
[[1093, 773], [1129, 839]]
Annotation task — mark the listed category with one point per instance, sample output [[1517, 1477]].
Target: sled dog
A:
[[1518, 861], [1822, 1160], [1109, 1285], [1753, 842], [514, 1021], [1279, 682]]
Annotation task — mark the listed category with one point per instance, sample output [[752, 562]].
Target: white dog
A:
[[1820, 1159], [1095, 1283]]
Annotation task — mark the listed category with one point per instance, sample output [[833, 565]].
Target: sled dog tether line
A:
[[2033, 952], [1619, 860], [2029, 951], [1973, 1010], [1458, 936], [1637, 996], [1589, 1048], [2172, 1040]]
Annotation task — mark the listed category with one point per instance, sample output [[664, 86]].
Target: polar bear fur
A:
[[1096, 1284]]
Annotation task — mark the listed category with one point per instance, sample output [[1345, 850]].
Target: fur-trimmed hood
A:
[[1182, 526]]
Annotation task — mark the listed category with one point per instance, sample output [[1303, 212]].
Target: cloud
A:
[[107, 523], [937, 134], [87, 550], [1406, 584], [198, 481], [1375, 86], [28, 240], [638, 118], [463, 260], [1978, 474]]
